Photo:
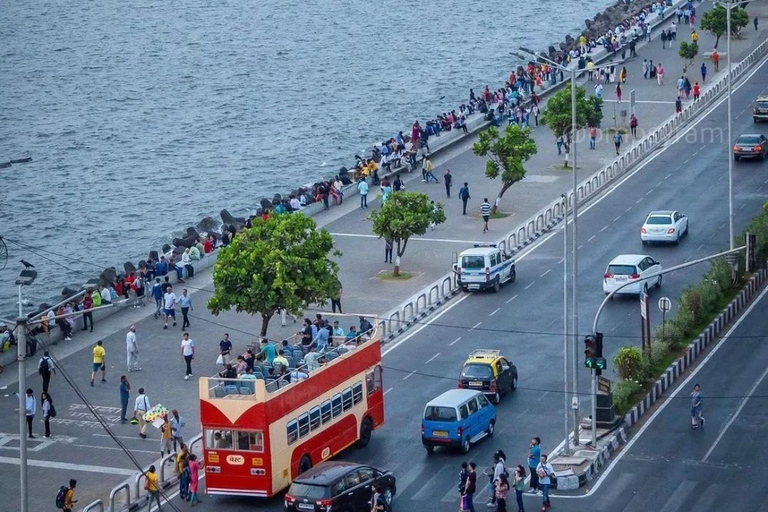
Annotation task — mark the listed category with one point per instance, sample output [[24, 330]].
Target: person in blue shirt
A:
[[125, 393], [268, 350], [321, 339], [161, 267], [157, 294], [534, 457], [362, 189], [185, 302], [352, 334], [696, 403]]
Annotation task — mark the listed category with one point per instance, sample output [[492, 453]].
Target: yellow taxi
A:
[[488, 371]]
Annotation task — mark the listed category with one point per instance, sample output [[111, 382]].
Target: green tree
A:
[[404, 215], [280, 263], [715, 21], [688, 52], [595, 112], [557, 114], [506, 155]]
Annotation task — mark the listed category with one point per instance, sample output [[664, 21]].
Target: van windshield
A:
[[434, 413], [477, 371], [473, 262]]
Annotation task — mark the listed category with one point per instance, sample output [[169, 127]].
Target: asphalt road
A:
[[525, 321]]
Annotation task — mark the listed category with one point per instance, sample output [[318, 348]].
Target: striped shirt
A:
[[485, 209]]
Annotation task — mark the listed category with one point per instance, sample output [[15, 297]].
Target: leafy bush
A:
[[720, 272], [669, 335], [659, 354], [629, 363], [624, 392]]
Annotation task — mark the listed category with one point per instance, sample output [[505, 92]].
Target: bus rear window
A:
[[310, 492], [434, 413]]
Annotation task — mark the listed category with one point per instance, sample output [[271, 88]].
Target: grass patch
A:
[[622, 131], [562, 167], [498, 215], [386, 275]]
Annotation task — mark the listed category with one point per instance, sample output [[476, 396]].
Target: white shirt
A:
[[105, 295], [130, 342], [185, 258], [170, 300], [498, 469], [142, 403], [188, 347], [295, 204], [548, 470], [50, 363], [51, 319]]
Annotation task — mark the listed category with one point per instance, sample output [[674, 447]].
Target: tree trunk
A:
[[717, 41], [504, 188], [265, 318], [401, 244]]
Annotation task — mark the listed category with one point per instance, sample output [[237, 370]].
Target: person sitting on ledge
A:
[[194, 253], [161, 267], [295, 204]]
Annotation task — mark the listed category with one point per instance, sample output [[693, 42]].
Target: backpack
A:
[[52, 411], [44, 366], [61, 496]]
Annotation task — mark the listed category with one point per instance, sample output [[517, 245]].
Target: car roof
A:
[[479, 251], [661, 212], [628, 259], [751, 135], [453, 398], [762, 98], [484, 356], [327, 472]]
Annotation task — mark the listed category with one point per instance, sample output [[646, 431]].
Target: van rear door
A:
[[440, 424]]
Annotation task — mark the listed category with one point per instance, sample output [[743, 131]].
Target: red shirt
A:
[[696, 90], [207, 246]]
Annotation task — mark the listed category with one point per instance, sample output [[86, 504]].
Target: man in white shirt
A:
[[186, 261], [140, 406], [106, 297], [187, 353], [311, 359], [295, 203], [169, 306], [132, 349], [30, 406], [545, 472]]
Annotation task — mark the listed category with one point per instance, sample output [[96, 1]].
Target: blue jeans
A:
[[545, 493], [363, 200], [470, 502], [519, 496]]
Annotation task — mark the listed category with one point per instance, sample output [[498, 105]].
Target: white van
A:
[[484, 267]]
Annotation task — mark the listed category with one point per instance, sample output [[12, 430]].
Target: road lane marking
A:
[[545, 273], [494, 311], [513, 298], [409, 375], [591, 238], [476, 326], [616, 218], [387, 391], [579, 247], [604, 228], [112, 448], [700, 247], [736, 415], [639, 201], [529, 285], [649, 192], [70, 467], [454, 342], [628, 210], [432, 358], [686, 161], [668, 176]]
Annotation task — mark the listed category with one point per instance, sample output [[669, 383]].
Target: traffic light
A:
[[600, 362], [590, 351]]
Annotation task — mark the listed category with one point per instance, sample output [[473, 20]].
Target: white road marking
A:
[[616, 218], [445, 240], [604, 228], [545, 273], [579, 247], [639, 201], [494, 311], [387, 391], [628, 210], [736, 415], [668, 176], [70, 467], [432, 358], [591, 238], [476, 326], [529, 285], [113, 447], [655, 102], [454, 342], [514, 297], [649, 192], [409, 375], [686, 161]]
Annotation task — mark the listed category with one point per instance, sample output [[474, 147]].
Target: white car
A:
[[664, 226], [634, 269]]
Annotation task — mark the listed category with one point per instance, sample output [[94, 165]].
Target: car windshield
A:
[[311, 492], [472, 262], [748, 139], [659, 219], [435, 413], [476, 371], [621, 270]]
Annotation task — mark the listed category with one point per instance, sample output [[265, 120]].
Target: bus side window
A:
[[369, 382], [325, 411], [304, 425], [336, 401], [357, 393], [314, 418], [377, 377], [242, 440], [293, 431], [347, 398], [256, 441]]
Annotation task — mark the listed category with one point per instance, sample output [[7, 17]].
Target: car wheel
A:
[[677, 240], [465, 289], [512, 276], [491, 428], [645, 242], [496, 398], [645, 288], [366, 427], [305, 464], [497, 286], [465, 445], [388, 495], [514, 384], [736, 158], [658, 282], [430, 448]]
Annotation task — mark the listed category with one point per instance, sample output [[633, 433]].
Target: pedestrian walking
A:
[[496, 470], [696, 91], [687, 87], [140, 407], [623, 75], [470, 488], [362, 189], [617, 140], [448, 180], [30, 407], [545, 471], [703, 72], [681, 86], [284, 314], [68, 500], [99, 362], [166, 437], [157, 294], [185, 303], [463, 475], [592, 137], [177, 425], [646, 68], [152, 487], [388, 250], [49, 411], [633, 125], [755, 22], [663, 39], [660, 74], [501, 493], [534, 454], [485, 211], [336, 303], [169, 306], [44, 368], [520, 487], [187, 353], [194, 478], [225, 349], [694, 36], [696, 404], [464, 196], [715, 60], [125, 395], [678, 106], [132, 350], [618, 92]]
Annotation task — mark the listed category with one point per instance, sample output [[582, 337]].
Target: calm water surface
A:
[[143, 117]]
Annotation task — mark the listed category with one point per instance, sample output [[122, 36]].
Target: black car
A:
[[339, 487]]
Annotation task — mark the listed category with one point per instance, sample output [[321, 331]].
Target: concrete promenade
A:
[[80, 449]]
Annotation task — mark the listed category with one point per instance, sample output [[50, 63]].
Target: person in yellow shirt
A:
[[694, 36], [152, 487], [99, 362], [166, 437]]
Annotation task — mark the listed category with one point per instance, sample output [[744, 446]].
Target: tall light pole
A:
[[564, 198], [730, 127]]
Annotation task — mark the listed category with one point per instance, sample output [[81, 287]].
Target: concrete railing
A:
[[551, 215]]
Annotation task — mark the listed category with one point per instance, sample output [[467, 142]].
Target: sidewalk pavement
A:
[[80, 449]]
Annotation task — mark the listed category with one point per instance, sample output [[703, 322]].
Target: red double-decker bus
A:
[[260, 434]]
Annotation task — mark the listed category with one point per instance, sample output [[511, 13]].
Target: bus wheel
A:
[[305, 464], [366, 427]]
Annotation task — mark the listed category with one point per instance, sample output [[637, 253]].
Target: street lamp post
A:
[[730, 136], [564, 198]]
